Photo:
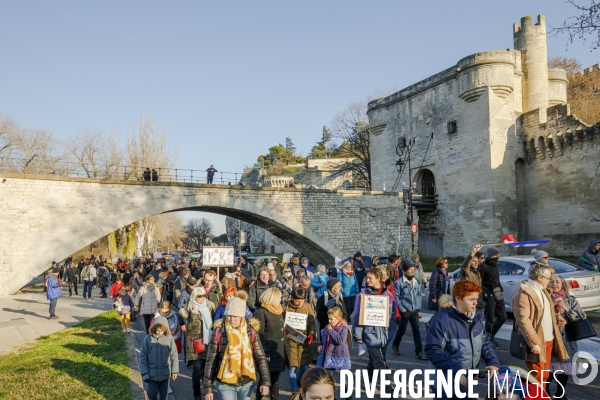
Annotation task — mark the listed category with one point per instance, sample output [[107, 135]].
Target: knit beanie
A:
[[55, 270], [492, 251], [408, 264], [539, 254], [332, 282], [236, 307]]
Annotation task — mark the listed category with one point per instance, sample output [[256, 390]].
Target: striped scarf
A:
[[238, 360]]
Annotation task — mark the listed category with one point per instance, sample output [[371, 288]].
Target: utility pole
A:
[[239, 238]]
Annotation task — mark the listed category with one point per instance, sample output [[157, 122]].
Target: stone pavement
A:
[[24, 316]]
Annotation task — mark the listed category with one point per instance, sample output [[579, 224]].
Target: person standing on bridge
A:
[[147, 175], [210, 173], [154, 175]]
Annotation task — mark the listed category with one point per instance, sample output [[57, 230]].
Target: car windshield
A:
[[562, 266]]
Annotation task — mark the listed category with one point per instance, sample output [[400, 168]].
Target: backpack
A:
[[85, 274]]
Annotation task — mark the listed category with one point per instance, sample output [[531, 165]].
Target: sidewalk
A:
[[24, 317]]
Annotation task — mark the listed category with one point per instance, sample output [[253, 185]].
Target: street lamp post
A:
[[400, 166]]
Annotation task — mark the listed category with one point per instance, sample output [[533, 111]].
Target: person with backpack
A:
[[235, 356], [147, 300], [88, 274], [158, 359]]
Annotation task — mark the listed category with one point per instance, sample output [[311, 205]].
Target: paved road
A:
[[23, 318]]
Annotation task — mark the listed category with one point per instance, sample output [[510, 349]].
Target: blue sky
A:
[[231, 78]]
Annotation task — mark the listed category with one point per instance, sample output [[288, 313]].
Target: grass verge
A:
[[86, 361]]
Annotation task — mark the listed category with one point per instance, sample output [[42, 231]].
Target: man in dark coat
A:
[[147, 174], [590, 259], [210, 173], [259, 286], [359, 268], [154, 175], [495, 311], [72, 275]]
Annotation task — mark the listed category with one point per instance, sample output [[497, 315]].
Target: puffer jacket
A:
[[301, 354], [193, 327], [437, 287], [147, 299], [458, 341], [319, 283], [374, 336], [349, 284], [337, 353], [214, 356], [272, 337], [589, 259], [255, 292], [408, 295], [158, 356]]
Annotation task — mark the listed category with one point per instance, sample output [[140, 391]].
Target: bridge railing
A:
[[56, 167]]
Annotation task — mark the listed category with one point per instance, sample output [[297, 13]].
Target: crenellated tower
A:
[[531, 41]]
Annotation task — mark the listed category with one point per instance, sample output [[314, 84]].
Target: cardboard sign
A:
[[374, 310], [287, 257], [296, 320], [295, 335], [217, 256]]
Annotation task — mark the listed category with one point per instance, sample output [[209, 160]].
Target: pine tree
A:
[[289, 146]]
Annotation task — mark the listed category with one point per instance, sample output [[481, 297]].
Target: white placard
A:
[[296, 320], [287, 257], [217, 256]]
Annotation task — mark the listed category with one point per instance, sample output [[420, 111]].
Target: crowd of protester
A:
[[230, 324]]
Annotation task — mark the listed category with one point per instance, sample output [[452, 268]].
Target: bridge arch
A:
[[316, 247]]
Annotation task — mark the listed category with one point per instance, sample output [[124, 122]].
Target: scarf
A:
[[204, 312], [561, 295], [334, 299], [273, 309], [237, 360]]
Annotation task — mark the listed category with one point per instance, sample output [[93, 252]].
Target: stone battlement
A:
[[526, 24]]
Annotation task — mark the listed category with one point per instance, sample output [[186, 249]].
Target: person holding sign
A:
[[374, 320], [301, 317]]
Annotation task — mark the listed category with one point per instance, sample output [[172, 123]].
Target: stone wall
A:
[[562, 179], [49, 218]]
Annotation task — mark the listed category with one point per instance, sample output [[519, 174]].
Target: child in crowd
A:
[[334, 343], [124, 306], [115, 289], [158, 359]]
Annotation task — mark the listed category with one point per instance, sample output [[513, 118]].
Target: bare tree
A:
[[198, 232], [170, 230], [583, 25], [35, 152], [583, 90], [8, 130], [146, 148], [96, 154]]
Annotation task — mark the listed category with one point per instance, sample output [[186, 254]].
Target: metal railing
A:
[[114, 172]]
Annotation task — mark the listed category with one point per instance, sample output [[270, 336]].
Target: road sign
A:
[[413, 228]]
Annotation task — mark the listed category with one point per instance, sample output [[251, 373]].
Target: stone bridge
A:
[[47, 218]]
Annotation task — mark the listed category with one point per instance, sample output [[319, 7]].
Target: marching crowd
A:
[[235, 335]]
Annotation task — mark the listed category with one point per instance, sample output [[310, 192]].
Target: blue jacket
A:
[[319, 283], [53, 287], [408, 296], [590, 259], [456, 341], [349, 284], [374, 336]]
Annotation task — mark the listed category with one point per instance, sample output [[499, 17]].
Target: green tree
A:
[[289, 146]]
